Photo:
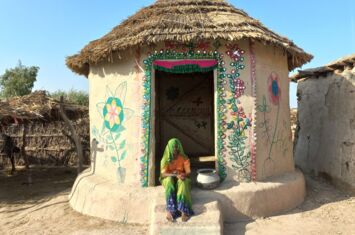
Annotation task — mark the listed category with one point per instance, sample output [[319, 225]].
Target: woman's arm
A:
[[187, 170], [168, 175], [187, 167]]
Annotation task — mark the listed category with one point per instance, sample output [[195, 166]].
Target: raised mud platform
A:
[[99, 197]]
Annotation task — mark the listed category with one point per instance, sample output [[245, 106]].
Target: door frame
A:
[[147, 160], [156, 128]]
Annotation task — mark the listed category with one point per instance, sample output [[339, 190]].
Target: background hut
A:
[[202, 71], [326, 121], [34, 123]]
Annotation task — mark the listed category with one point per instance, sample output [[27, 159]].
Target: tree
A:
[[18, 81], [72, 96], [73, 134]]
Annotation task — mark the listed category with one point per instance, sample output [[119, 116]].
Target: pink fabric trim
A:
[[171, 64]]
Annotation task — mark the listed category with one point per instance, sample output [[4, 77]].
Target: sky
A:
[[43, 33]]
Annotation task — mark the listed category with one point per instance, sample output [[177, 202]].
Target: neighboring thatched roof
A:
[[347, 61], [35, 106], [182, 21], [8, 112]]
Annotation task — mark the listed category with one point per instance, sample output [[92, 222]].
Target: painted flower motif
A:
[[170, 45], [241, 113], [203, 46], [274, 88], [113, 113], [234, 52], [239, 88]]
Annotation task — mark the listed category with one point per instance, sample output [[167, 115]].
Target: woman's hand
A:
[[182, 176], [173, 174]]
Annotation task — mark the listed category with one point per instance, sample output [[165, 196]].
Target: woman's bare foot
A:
[[169, 217], [185, 217]]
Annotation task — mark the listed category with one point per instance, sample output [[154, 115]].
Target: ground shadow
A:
[[319, 192], [35, 185]]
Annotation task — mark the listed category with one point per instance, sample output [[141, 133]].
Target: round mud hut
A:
[[208, 74]]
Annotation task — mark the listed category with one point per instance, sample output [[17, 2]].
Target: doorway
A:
[[184, 109]]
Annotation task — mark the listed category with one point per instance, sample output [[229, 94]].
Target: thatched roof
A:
[[182, 21], [8, 112], [346, 61], [35, 106]]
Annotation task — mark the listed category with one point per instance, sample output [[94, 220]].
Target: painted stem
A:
[[266, 128], [276, 126], [118, 158]]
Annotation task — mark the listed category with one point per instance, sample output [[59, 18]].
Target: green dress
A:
[[177, 191]]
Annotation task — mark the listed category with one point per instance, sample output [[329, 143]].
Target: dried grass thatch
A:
[[342, 63], [182, 21], [37, 105]]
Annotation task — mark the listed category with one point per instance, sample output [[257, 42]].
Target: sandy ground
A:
[[326, 210], [42, 208]]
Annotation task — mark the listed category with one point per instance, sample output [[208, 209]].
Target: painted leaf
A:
[[109, 93], [122, 144], [111, 147], [99, 108], [109, 138], [102, 128], [121, 91], [119, 129], [113, 159], [230, 125], [117, 136], [123, 155], [128, 113], [104, 131], [94, 131]]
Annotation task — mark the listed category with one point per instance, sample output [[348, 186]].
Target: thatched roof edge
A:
[[35, 106], [341, 63], [182, 21]]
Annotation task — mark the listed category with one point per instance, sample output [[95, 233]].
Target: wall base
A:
[[95, 196]]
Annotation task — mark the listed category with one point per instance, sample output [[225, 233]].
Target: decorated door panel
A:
[[185, 111]]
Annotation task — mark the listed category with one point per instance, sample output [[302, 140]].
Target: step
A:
[[207, 221]]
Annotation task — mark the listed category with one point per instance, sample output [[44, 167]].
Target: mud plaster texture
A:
[[112, 189], [96, 196], [43, 208], [326, 129], [271, 127]]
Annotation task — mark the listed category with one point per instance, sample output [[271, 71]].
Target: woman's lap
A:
[[178, 197]]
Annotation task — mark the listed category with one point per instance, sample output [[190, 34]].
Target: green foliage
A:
[[72, 96], [18, 81], [239, 156]]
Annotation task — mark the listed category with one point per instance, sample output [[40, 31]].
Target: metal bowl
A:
[[208, 178]]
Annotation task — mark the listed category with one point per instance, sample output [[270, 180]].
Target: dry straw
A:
[[182, 21], [342, 63], [37, 105]]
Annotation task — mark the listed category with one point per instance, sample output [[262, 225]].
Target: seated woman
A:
[[175, 173]]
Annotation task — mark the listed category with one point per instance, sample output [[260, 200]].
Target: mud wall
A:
[[326, 131]]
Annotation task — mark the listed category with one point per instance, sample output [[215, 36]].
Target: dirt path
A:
[[326, 210], [42, 208]]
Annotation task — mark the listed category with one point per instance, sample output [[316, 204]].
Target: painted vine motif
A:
[[239, 154], [114, 115], [252, 136], [240, 157], [189, 51]]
